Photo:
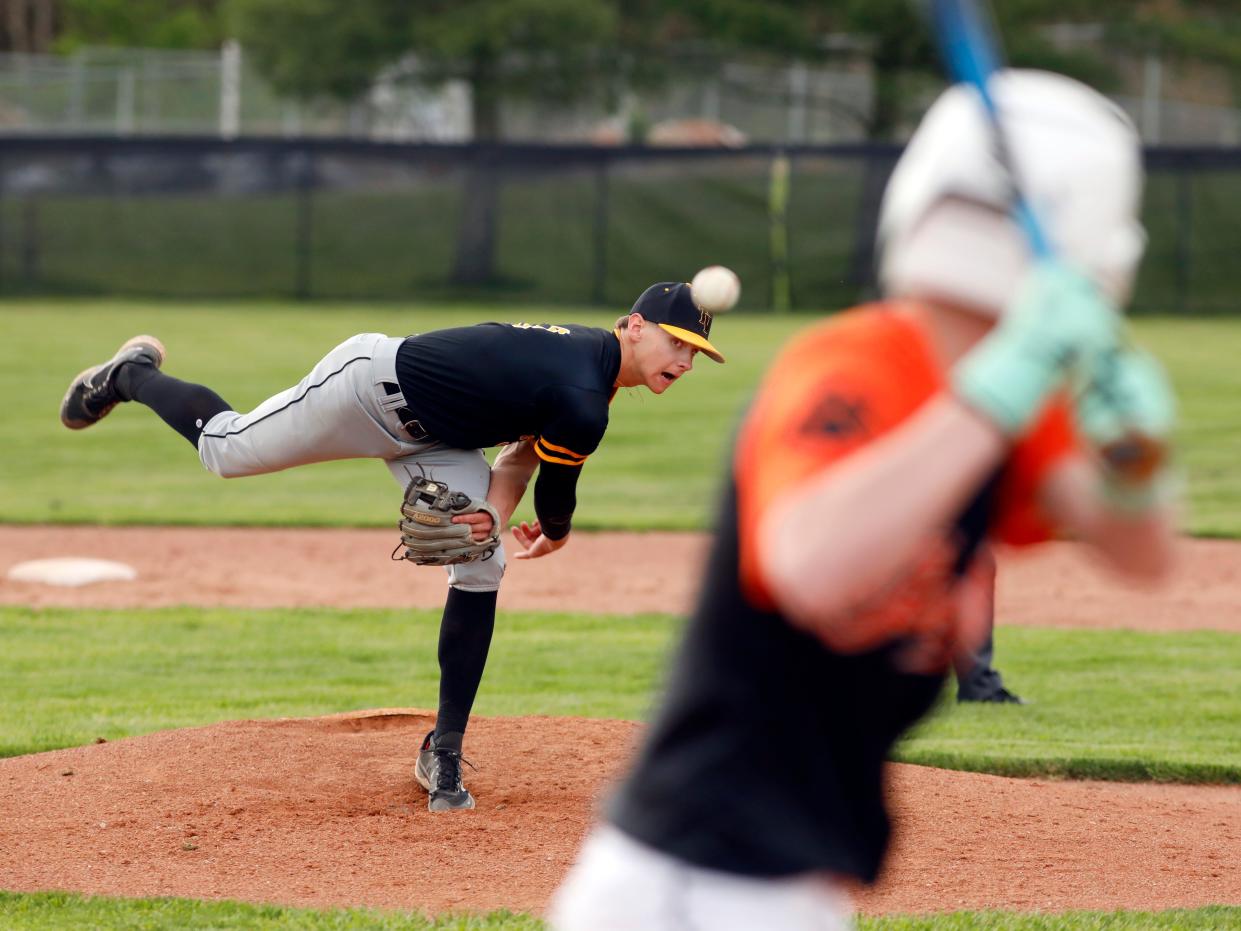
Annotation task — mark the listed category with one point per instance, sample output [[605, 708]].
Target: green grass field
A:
[[658, 467], [1106, 704], [62, 912]]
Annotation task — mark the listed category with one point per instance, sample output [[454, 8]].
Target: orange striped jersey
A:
[[846, 382], [766, 754]]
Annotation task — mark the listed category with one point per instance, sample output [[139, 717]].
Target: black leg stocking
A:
[[465, 637], [183, 406]]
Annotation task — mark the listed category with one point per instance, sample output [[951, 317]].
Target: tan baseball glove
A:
[[428, 535]]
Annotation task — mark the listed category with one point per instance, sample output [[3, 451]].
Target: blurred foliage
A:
[[1205, 30], [182, 24], [559, 50], [904, 59], [564, 50], [310, 48]]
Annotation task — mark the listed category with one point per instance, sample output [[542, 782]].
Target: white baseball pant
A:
[[619, 884], [343, 410]]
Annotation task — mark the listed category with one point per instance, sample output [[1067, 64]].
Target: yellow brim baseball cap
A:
[[670, 305]]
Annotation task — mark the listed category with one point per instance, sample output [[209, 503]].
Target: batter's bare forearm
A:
[[510, 476], [893, 496]]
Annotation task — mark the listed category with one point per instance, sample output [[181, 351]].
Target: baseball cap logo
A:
[[670, 305]]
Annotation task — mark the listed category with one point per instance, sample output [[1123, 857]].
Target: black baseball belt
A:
[[412, 425]]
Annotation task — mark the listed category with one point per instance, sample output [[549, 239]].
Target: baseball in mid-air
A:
[[715, 289]]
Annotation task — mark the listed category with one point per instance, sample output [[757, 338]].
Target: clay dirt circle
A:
[[325, 811]]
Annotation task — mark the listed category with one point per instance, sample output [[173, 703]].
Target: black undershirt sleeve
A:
[[575, 422], [555, 498]]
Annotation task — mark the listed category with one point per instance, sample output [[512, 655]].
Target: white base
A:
[[71, 571]]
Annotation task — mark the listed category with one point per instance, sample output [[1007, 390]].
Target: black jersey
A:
[[479, 386]]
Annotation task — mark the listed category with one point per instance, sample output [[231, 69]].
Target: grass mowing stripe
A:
[[1105, 704], [53, 911], [658, 467], [1215, 918], [72, 676]]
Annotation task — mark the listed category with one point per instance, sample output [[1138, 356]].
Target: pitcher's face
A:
[[662, 358]]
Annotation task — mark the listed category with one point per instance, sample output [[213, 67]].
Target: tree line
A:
[[570, 50]]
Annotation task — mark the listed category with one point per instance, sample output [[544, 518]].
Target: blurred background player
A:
[[977, 678], [883, 448], [429, 404]]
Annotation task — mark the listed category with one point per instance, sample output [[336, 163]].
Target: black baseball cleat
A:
[[438, 770], [998, 696], [93, 393]]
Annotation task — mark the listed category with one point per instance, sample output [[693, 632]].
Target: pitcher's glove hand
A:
[[428, 535]]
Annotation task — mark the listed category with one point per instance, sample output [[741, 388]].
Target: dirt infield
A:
[[325, 811], [604, 572]]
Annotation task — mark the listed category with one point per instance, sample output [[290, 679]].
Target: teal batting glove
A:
[[1057, 322], [1127, 410]]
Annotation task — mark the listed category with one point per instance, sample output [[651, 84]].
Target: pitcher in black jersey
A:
[[431, 403]]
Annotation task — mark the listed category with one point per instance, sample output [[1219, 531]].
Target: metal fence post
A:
[[799, 92], [125, 102], [230, 88], [1152, 93], [778, 233], [75, 115]]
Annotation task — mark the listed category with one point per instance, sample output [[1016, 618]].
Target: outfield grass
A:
[[657, 469], [54, 911], [1105, 704], [1198, 354], [58, 911], [73, 676], [1220, 918], [659, 466]]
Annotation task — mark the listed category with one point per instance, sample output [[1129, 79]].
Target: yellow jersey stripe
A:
[[548, 457], [555, 448]]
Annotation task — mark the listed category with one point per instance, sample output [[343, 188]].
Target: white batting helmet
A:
[[944, 226]]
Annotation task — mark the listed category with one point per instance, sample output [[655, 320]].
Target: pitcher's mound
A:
[[325, 812], [317, 811], [71, 571]]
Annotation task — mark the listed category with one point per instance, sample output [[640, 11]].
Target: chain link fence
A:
[[339, 219], [128, 92], [161, 92]]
